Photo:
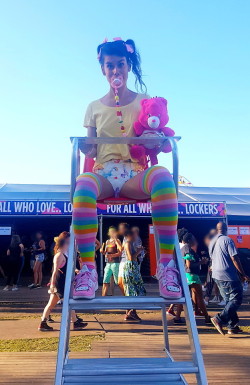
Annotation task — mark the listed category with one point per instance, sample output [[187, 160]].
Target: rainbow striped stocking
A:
[[158, 182], [85, 221]]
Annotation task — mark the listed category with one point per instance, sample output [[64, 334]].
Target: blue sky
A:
[[194, 53]]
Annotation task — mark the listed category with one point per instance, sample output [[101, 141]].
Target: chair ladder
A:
[[131, 371]]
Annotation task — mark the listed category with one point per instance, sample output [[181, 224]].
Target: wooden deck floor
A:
[[226, 358]]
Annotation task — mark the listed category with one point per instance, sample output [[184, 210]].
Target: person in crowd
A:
[[183, 245], [3, 266], [210, 285], [39, 256], [176, 310], [97, 245], [132, 279], [22, 261], [14, 254], [226, 268], [122, 229], [138, 244], [192, 267], [2, 272], [57, 283], [32, 259], [112, 250]]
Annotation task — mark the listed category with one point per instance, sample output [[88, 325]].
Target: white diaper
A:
[[117, 172]]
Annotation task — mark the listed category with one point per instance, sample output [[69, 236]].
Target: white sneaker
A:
[[222, 303], [14, 288], [215, 299], [7, 288]]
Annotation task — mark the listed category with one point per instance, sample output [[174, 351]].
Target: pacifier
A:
[[117, 82]]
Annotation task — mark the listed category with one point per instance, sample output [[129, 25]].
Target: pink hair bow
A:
[[99, 54], [129, 47]]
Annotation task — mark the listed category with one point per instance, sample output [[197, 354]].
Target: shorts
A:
[[32, 264], [111, 268], [117, 172], [60, 285], [121, 268], [39, 257]]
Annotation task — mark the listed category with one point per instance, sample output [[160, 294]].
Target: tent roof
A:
[[34, 191], [236, 198]]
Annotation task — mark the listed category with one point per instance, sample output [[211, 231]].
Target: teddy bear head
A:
[[154, 113]]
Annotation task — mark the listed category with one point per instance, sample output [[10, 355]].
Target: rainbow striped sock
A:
[[158, 182], [85, 221]]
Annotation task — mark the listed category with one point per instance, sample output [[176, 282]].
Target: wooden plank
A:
[[226, 359]]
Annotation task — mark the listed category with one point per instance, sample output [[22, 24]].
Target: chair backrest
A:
[[88, 164]]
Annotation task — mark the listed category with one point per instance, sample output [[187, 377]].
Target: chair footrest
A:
[[170, 379], [112, 367], [102, 303]]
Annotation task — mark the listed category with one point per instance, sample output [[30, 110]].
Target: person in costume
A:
[[116, 173]]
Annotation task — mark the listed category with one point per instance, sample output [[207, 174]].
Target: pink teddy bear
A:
[[152, 120]]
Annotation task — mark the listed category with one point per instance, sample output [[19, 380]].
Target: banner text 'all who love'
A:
[[65, 208]]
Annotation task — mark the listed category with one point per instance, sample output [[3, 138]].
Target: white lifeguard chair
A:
[[126, 371]]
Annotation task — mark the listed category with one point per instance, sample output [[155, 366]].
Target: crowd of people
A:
[[124, 253], [225, 275], [14, 261]]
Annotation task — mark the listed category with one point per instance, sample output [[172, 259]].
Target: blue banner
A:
[[64, 208]]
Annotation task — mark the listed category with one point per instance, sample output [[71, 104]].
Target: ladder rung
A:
[[126, 366], [102, 303], [158, 379]]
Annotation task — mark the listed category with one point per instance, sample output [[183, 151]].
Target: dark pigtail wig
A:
[[119, 48]]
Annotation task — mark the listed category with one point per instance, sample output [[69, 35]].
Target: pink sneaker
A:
[[85, 284], [168, 281]]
